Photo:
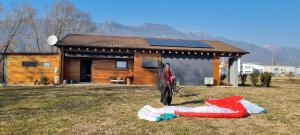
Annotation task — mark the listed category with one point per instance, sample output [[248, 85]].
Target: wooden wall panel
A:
[[16, 74], [216, 69], [103, 70], [144, 76], [71, 69]]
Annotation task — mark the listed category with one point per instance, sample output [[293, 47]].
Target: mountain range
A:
[[258, 54]]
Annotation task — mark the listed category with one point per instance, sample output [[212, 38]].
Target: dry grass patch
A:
[[113, 110]]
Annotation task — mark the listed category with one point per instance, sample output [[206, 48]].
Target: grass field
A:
[[113, 110]]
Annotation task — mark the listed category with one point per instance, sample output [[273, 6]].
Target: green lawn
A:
[[113, 110]]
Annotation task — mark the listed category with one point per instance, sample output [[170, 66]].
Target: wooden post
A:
[[61, 64], [216, 69]]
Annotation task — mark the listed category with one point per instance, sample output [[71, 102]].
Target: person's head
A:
[[167, 66]]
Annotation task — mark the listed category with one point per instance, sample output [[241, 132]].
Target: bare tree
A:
[[11, 25], [21, 25], [33, 22], [63, 18]]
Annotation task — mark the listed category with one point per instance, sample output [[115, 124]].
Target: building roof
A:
[[30, 53], [120, 42]]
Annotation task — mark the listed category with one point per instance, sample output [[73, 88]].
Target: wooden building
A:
[[111, 59], [28, 68]]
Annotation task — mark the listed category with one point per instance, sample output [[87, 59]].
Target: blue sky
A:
[[263, 22]]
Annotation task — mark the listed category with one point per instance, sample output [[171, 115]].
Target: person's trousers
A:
[[166, 96]]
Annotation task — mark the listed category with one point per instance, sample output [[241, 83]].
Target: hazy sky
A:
[[275, 22]]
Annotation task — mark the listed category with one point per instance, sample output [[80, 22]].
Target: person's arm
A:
[[171, 76]]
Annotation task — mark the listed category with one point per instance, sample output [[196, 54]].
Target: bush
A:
[[243, 79], [290, 76], [222, 78], [265, 79], [44, 80], [254, 78]]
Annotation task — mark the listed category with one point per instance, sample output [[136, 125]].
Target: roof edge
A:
[[30, 53]]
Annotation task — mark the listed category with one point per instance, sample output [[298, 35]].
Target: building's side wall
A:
[[144, 76], [190, 69], [103, 70], [17, 74], [71, 69]]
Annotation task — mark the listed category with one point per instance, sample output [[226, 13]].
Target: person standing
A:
[[166, 92]]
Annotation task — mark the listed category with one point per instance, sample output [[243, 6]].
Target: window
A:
[[121, 64], [247, 67], [29, 64], [149, 63], [46, 65]]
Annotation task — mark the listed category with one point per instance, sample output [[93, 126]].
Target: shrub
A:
[[265, 79], [222, 78], [254, 78], [243, 79], [290, 76], [44, 80]]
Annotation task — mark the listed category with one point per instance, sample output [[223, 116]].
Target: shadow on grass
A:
[[189, 95], [189, 102], [257, 86]]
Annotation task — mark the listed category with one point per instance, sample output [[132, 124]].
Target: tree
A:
[[21, 29], [63, 18], [11, 25], [33, 24]]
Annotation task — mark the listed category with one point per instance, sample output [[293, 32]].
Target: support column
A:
[[61, 65], [233, 71], [216, 69]]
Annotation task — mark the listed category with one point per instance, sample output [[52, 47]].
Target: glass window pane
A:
[[46, 65], [29, 64], [121, 64]]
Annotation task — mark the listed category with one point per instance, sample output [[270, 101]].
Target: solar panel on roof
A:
[[176, 43]]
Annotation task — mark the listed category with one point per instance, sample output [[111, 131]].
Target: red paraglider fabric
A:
[[231, 102]]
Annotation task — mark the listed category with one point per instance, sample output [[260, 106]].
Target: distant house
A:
[[116, 59], [278, 70], [297, 71], [281, 70], [249, 68]]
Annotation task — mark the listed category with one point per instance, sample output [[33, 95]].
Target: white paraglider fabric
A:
[[150, 113], [251, 107]]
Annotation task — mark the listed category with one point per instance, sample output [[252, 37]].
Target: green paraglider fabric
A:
[[165, 116]]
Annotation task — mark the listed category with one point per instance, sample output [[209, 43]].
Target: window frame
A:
[[247, 67]]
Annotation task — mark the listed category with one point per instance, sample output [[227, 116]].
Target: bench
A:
[[117, 81]]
